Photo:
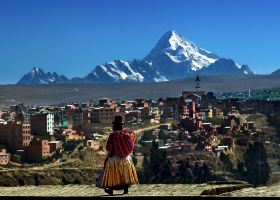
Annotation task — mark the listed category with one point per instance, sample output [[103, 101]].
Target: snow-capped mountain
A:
[[276, 72], [122, 71], [37, 77], [173, 57]]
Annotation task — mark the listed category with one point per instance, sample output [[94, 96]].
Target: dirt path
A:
[[91, 190]]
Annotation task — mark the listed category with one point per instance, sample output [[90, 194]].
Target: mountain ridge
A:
[[173, 57], [37, 77]]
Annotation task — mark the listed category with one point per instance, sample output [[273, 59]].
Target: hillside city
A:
[[193, 138]]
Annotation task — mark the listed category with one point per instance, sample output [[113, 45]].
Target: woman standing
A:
[[119, 171]]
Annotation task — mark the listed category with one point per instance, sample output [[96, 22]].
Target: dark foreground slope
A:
[[51, 94]]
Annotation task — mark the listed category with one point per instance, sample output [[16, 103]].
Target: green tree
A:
[[148, 175], [205, 173], [163, 135], [227, 162], [256, 166], [215, 120], [146, 135], [185, 171]]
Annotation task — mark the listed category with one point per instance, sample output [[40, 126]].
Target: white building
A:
[[50, 123]]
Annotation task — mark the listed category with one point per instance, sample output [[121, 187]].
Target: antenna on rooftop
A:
[[197, 83], [249, 94]]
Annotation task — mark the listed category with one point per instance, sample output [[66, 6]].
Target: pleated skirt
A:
[[119, 172]]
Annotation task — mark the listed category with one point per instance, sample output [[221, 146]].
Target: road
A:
[[148, 190], [138, 132]]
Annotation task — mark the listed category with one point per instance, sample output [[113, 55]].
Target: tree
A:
[[205, 173], [256, 166], [157, 157], [163, 135], [185, 171], [227, 162]]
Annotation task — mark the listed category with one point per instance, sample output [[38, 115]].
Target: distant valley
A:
[[58, 93]]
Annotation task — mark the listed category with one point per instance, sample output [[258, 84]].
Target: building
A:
[[105, 115], [73, 114], [248, 125], [219, 150], [68, 133], [55, 145], [167, 127], [145, 112], [95, 144], [38, 150], [207, 126], [87, 116], [26, 134], [15, 135], [4, 156], [133, 116], [104, 102], [42, 124], [168, 111]]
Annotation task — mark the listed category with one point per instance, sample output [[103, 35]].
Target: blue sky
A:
[[71, 37]]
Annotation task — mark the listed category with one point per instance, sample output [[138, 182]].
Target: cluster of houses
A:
[[193, 131], [33, 134]]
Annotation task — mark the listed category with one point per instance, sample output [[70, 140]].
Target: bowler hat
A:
[[118, 120]]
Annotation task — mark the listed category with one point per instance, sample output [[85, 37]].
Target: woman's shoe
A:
[[109, 191]]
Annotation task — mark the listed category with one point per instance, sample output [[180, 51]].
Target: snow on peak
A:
[[206, 50], [239, 66], [37, 76], [120, 70], [36, 70], [180, 50]]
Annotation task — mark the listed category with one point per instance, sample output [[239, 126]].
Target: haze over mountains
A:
[[172, 58]]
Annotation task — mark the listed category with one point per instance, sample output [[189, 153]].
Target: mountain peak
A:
[[36, 70], [37, 77], [171, 33], [183, 55], [171, 39]]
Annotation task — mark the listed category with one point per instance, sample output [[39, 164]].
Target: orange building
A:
[[55, 145], [105, 115], [95, 144], [4, 156]]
